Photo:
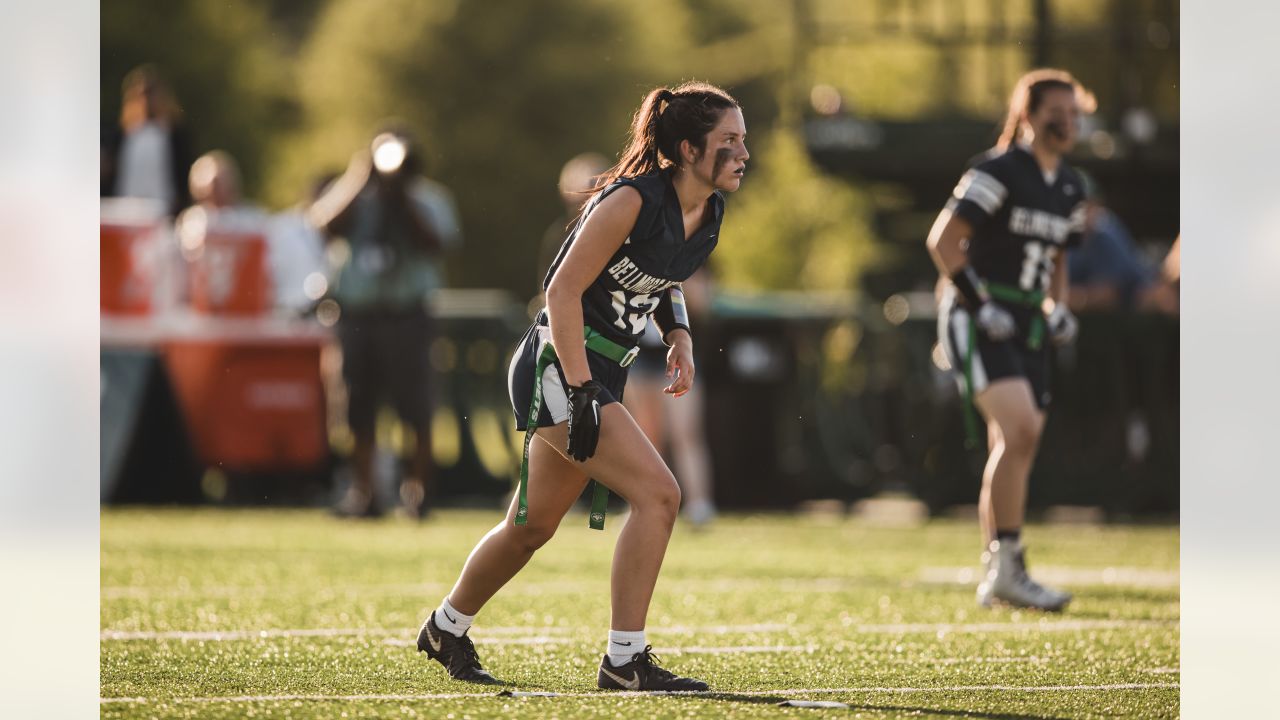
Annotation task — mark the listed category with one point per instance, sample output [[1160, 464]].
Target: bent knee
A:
[[1021, 437], [666, 498], [529, 538]]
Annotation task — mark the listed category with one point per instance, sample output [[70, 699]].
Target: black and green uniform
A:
[[654, 258], [1023, 222]]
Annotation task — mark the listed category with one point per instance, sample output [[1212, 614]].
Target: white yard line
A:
[[533, 633], [710, 695], [1043, 626], [739, 649], [1119, 576]]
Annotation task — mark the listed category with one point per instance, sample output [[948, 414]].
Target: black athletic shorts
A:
[[555, 397], [385, 360], [994, 360]]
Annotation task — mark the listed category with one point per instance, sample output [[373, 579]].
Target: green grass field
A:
[[241, 613]]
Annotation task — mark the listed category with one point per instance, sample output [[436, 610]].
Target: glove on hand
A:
[[584, 420], [1062, 325], [995, 321]]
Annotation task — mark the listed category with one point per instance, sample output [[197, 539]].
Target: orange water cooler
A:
[[230, 276], [131, 234], [248, 382]]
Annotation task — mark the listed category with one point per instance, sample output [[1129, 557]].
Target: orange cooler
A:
[[128, 267], [230, 276], [251, 406]]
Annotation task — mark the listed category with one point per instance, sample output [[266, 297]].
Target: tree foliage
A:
[[791, 226], [500, 94], [227, 70]]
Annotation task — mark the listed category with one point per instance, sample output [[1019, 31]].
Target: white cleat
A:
[[1007, 581], [700, 514], [985, 598]]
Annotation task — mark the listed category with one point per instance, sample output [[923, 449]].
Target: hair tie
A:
[[666, 95]]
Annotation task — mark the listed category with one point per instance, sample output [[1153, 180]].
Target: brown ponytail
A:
[[1028, 94], [664, 120]]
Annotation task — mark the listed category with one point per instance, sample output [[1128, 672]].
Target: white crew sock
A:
[[450, 620], [623, 644]]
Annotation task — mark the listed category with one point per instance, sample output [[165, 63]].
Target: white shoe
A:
[[985, 598], [1007, 581], [700, 513]]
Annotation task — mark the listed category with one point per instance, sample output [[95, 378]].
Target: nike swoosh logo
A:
[[624, 644], [446, 614], [632, 684], [434, 641], [595, 410]]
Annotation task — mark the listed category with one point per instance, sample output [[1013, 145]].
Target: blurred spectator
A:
[[577, 177], [294, 248], [148, 153], [1108, 270], [224, 242], [297, 254], [394, 225], [676, 425]]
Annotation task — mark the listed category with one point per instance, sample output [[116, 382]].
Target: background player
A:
[[998, 240], [676, 425], [654, 220]]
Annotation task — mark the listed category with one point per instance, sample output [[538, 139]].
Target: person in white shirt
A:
[[148, 154]]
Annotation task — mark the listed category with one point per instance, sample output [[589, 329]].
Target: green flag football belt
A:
[[598, 344], [1035, 337]]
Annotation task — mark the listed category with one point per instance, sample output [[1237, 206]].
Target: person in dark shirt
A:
[[1001, 240], [653, 220]]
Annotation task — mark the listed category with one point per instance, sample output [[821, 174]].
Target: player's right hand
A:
[[584, 420], [995, 321]]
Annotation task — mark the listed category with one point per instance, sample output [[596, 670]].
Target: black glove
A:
[[584, 420]]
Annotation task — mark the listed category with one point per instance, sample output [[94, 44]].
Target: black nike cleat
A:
[[456, 654], [644, 673]]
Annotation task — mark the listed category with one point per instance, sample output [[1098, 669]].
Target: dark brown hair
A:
[[1029, 93], [141, 81], [666, 118]]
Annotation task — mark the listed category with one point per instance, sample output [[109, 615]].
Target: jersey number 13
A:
[[632, 312]]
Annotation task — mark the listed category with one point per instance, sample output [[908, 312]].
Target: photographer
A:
[[395, 225]]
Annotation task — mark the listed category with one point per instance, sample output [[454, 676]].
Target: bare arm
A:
[[331, 212], [948, 239], [604, 232], [1059, 284], [948, 244]]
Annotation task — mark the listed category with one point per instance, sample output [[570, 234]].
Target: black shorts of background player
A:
[[1001, 242], [652, 221]]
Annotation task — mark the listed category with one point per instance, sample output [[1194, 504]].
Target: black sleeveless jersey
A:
[[1022, 223], [655, 256]]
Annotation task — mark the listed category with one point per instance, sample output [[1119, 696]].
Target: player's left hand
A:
[[1062, 325], [680, 364]]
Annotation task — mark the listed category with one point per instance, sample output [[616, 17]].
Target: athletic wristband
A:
[[671, 313], [970, 287]]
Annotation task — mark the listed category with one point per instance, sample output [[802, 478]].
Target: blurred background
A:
[[222, 295]]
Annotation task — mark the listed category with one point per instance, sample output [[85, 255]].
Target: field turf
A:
[[268, 613]]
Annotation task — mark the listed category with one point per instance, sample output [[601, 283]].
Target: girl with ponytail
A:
[[1000, 244], [649, 224]]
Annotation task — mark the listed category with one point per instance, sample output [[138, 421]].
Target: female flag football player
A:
[[1000, 241], [652, 222]]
